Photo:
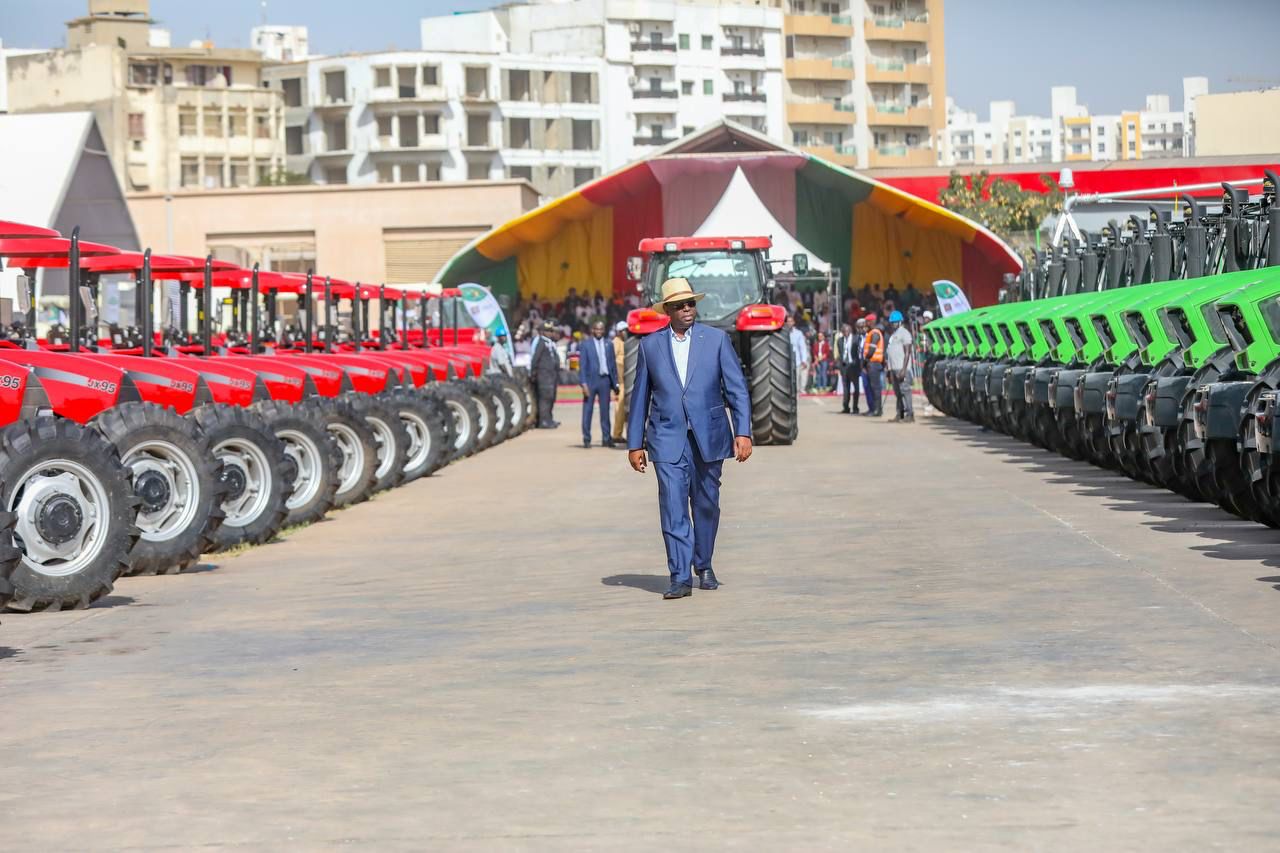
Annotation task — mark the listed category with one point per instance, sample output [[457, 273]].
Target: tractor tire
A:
[[464, 414], [57, 475], [486, 432], [176, 478], [518, 404], [391, 438], [630, 356], [10, 557], [253, 465], [312, 458], [531, 402], [774, 404], [503, 423], [424, 422], [357, 450]]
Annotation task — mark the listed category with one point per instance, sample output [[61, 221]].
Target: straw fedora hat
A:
[[676, 290]]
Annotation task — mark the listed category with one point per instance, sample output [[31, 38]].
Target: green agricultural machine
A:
[[1152, 348]]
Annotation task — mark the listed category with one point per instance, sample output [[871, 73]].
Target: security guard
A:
[[873, 364], [544, 369]]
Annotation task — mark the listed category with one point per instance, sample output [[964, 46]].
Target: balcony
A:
[[737, 97], [914, 29], [656, 46], [650, 92], [423, 95], [901, 156], [743, 50], [841, 155], [390, 145], [839, 68], [898, 71], [899, 115], [820, 26], [335, 104], [647, 139], [819, 112]]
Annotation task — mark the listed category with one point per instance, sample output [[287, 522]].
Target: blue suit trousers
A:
[[690, 482], [597, 389]]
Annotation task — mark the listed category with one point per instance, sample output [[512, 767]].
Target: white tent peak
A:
[[741, 213]]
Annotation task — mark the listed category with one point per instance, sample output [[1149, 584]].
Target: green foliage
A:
[[284, 178], [1002, 206]]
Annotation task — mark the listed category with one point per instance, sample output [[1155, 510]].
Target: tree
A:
[[999, 204], [284, 178]]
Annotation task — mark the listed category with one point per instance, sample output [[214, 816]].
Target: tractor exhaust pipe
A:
[[148, 308], [73, 283]]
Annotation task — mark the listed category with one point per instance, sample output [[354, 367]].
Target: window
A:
[[519, 133], [386, 173], [137, 126], [518, 86], [142, 74], [431, 123], [238, 122], [381, 78], [212, 124], [293, 140], [408, 131], [708, 88], [800, 137], [430, 75], [335, 175], [707, 43], [187, 123], [517, 173], [580, 87], [1102, 147], [264, 173], [262, 126], [686, 87], [292, 92], [477, 82], [190, 172], [384, 129], [335, 87], [686, 130], [335, 135], [477, 171], [213, 174], [583, 133], [582, 175], [405, 85], [239, 176], [684, 40], [478, 131]]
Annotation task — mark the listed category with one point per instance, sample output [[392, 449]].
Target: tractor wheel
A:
[[511, 391], [502, 413], [774, 405], [357, 450], [486, 432], [312, 458], [73, 511], [630, 355], [531, 403], [424, 422], [10, 557], [1232, 485], [465, 416], [175, 477], [390, 436], [253, 465]]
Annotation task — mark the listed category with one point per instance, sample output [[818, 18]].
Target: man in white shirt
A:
[[800, 352]]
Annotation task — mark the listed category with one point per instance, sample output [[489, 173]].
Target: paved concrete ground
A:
[[928, 638]]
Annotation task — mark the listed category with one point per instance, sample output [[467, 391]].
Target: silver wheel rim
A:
[[306, 456], [462, 424], [482, 422], [352, 450], [386, 440], [245, 508], [71, 487], [419, 439], [500, 414], [178, 511]]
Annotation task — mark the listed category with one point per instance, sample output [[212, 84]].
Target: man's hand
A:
[[585, 392], [741, 448], [639, 461]]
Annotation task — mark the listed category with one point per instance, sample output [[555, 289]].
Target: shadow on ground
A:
[[1232, 538], [648, 583]]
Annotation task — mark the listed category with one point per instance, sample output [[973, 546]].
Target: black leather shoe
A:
[[678, 590], [707, 579], [609, 442], [844, 411], [586, 442]]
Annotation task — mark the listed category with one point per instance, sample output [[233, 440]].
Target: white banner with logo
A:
[[951, 299]]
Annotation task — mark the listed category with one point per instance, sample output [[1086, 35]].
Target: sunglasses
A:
[[680, 306]]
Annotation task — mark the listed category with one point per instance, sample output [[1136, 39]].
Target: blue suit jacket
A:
[[589, 368], [662, 411]]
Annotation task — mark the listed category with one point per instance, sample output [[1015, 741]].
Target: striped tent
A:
[[874, 233]]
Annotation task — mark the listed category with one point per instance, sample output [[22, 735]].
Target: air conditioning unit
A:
[[633, 81], [634, 28]]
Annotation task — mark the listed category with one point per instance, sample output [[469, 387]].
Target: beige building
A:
[[1238, 123], [386, 233], [172, 117], [866, 80]]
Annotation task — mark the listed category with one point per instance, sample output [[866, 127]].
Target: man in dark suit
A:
[[598, 373], [848, 352], [686, 374], [544, 370]]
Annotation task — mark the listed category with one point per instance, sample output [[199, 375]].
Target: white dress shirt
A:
[[680, 350], [604, 365]]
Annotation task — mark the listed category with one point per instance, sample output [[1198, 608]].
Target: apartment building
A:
[[171, 117], [866, 81], [1071, 133]]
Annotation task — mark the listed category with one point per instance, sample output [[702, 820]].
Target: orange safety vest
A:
[[873, 347]]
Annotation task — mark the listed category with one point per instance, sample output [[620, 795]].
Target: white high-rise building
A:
[[279, 43]]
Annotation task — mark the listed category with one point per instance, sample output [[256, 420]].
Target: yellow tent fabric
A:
[[892, 248], [579, 255]]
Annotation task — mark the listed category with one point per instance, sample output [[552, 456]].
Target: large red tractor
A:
[[734, 274]]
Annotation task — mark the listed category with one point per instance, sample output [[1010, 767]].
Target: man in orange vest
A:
[[873, 365]]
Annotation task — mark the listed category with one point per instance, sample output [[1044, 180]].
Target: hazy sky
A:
[[1114, 53]]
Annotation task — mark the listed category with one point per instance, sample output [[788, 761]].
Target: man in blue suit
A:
[[686, 374], [598, 373]]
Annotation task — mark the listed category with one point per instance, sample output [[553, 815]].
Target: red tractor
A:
[[734, 273]]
